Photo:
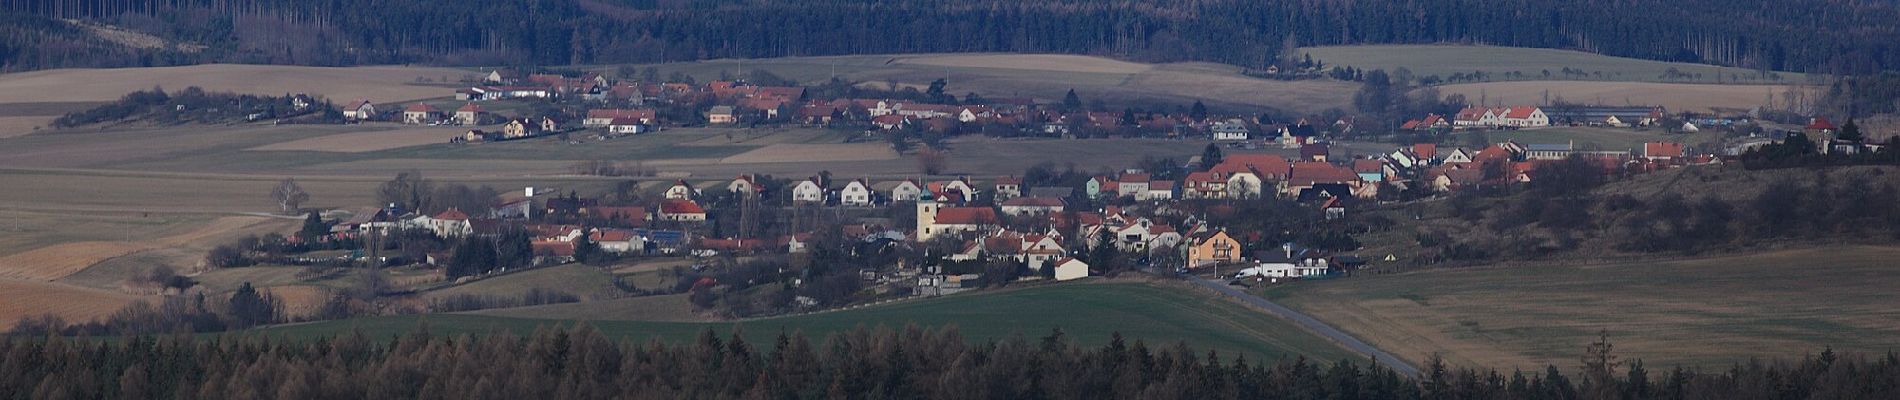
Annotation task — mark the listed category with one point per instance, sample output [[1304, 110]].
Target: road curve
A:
[[1312, 324]]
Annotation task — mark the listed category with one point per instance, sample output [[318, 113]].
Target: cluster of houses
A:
[[1514, 117]]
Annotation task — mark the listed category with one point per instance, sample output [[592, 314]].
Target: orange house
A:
[[1212, 249]]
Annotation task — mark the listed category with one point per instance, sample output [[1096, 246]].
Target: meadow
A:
[[1088, 313], [1443, 60], [1699, 312]]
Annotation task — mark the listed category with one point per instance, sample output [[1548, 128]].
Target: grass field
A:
[[1160, 314], [1703, 312], [575, 279], [1444, 60]]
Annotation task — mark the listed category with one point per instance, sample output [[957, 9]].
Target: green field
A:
[[1706, 312], [1444, 60], [1088, 313]]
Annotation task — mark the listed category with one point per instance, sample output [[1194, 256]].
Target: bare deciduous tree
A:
[[289, 196]]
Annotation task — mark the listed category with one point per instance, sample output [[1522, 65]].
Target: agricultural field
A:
[[1705, 312], [1044, 77], [33, 99], [579, 280], [1087, 313], [1444, 60]]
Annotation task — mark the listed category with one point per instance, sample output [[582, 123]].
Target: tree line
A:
[[912, 362], [1758, 34]]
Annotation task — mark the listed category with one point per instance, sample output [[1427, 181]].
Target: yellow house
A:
[[1212, 249]]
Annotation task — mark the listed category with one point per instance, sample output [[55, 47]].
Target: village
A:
[[934, 234]]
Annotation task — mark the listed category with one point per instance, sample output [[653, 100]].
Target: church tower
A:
[[926, 215]]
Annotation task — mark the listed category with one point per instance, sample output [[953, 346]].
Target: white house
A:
[[469, 114], [420, 114], [743, 185], [856, 193], [681, 191], [808, 191], [933, 220], [359, 110], [1032, 205], [905, 191], [1523, 116], [1070, 268], [1231, 129]]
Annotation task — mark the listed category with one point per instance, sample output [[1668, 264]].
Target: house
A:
[[1204, 185], [1159, 190], [933, 220], [681, 191], [503, 76], [469, 114], [451, 223], [632, 216], [681, 211], [520, 128], [1458, 156], [626, 126], [618, 241], [906, 190], [359, 110], [1069, 268], [1313, 174], [1231, 129], [1315, 152], [721, 115], [1370, 171], [1008, 187], [1133, 185], [1524, 117], [809, 191], [421, 114], [1662, 151], [744, 186], [855, 193], [958, 189], [550, 124], [1212, 248], [1544, 151], [1032, 205], [1470, 117], [598, 118], [1456, 179], [1334, 207]]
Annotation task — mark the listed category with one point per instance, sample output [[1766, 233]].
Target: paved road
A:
[[1314, 325]]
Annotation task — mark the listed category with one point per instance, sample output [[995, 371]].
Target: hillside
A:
[[1754, 34], [1086, 312], [1703, 312]]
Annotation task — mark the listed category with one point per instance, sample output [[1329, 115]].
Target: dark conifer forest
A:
[[1833, 36], [581, 363]]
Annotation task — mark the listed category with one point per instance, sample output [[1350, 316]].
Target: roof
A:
[[1425, 150], [420, 107], [612, 235], [1820, 123], [357, 104], [452, 214], [1367, 166], [721, 110], [1009, 180], [1134, 178], [1305, 174], [1546, 147], [554, 248], [1032, 201], [680, 207], [1313, 149], [617, 113], [1520, 112], [966, 216], [1662, 149], [470, 107]]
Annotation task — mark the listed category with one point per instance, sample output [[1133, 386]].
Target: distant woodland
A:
[[1832, 36], [582, 363]]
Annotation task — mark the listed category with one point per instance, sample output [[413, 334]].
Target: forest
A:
[[912, 362], [1833, 36]]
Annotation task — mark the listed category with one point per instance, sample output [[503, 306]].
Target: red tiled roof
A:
[[470, 107], [1662, 149], [1009, 180], [452, 214], [680, 207], [1519, 112], [554, 248], [420, 107], [1820, 123], [1366, 166], [1307, 174], [1033, 201], [611, 235], [1425, 150], [966, 216]]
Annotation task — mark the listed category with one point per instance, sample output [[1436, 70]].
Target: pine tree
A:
[[1210, 157], [1198, 112], [1071, 102]]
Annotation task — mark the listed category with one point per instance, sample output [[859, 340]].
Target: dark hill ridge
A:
[[1760, 34]]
